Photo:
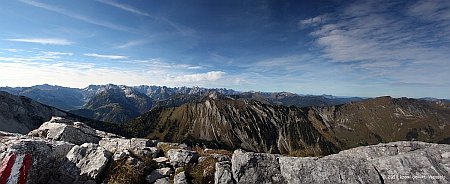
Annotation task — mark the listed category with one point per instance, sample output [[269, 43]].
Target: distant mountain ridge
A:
[[119, 103], [222, 121]]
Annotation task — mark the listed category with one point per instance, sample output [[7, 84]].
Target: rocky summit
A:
[[64, 151]]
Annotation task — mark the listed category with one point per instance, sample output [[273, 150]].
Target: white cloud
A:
[[101, 56], [194, 67], [12, 50], [209, 76], [49, 53], [67, 74], [37, 70], [314, 21], [45, 41], [380, 44], [161, 64]]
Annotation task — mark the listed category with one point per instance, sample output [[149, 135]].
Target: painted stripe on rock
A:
[[5, 169], [26, 165], [15, 171]]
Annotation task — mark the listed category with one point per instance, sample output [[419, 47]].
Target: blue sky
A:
[[345, 48]]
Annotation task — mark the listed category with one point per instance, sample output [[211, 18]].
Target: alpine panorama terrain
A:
[[225, 92], [153, 134]]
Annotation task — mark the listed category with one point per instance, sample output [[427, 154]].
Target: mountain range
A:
[[119, 103], [261, 122]]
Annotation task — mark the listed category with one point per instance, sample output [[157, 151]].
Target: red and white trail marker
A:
[[14, 168]]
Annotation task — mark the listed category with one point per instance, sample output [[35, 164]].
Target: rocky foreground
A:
[[63, 151]]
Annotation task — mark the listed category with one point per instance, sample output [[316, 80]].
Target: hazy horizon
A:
[[341, 48], [306, 94]]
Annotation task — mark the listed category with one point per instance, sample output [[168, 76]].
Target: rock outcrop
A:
[[223, 174], [396, 162], [83, 163], [65, 151], [180, 178], [158, 174], [42, 153], [61, 129], [181, 157]]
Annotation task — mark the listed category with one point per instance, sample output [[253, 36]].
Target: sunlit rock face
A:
[[396, 162], [309, 131]]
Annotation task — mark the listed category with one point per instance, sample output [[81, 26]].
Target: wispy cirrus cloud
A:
[[12, 50], [44, 41], [161, 64], [36, 56], [102, 56], [178, 27], [402, 46], [52, 53], [126, 8], [130, 44], [78, 16]]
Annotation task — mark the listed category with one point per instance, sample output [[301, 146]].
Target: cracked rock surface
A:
[[395, 162]]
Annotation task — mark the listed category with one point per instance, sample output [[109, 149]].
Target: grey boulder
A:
[[396, 162], [180, 178], [84, 163], [223, 174], [158, 174], [61, 129], [45, 154], [181, 157]]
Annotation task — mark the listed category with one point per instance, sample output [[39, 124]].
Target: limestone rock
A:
[[119, 155], [165, 171], [396, 162], [313, 170], [140, 147], [61, 129], [85, 162], [147, 152], [223, 174], [180, 178], [158, 174], [115, 144], [249, 167], [423, 163], [180, 157], [44, 154], [140, 143], [162, 181], [161, 160]]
